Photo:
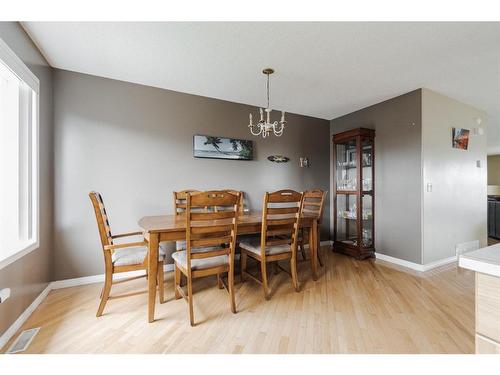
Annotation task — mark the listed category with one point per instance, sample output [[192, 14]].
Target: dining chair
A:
[[314, 202], [278, 241], [180, 198], [121, 257], [241, 203], [210, 243]]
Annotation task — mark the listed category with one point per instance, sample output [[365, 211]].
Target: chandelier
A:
[[264, 128]]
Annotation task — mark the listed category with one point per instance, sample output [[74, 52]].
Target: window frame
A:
[[19, 68]]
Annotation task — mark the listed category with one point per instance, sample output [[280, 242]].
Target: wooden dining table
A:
[[173, 228]]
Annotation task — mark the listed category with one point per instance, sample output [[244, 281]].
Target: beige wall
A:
[[494, 170], [397, 124], [456, 209], [28, 276], [134, 144]]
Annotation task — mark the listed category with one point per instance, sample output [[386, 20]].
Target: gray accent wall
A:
[[134, 144], [398, 177], [29, 275]]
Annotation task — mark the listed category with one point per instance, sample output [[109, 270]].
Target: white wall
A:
[[456, 209]]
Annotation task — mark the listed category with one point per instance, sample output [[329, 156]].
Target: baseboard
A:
[[11, 331], [68, 283], [416, 266]]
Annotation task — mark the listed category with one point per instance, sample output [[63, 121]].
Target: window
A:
[[19, 90]]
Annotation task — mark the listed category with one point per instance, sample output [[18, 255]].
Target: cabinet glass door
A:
[[347, 220], [346, 158]]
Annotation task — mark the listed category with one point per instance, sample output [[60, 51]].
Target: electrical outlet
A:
[[4, 294], [429, 187]]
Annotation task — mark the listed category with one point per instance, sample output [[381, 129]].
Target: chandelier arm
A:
[[255, 133]]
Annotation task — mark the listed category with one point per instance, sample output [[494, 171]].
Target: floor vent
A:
[[23, 341]]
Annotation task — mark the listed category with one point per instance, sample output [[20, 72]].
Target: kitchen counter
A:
[[486, 263], [485, 260]]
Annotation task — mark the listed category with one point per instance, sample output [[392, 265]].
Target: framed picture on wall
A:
[[460, 138], [205, 146]]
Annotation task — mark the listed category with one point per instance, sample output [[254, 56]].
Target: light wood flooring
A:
[[355, 307]]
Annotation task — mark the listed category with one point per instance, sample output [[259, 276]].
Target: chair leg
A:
[[105, 292], [161, 283], [243, 265], [319, 257], [190, 300], [230, 281], [219, 281], [276, 267], [293, 269], [263, 271], [301, 244], [177, 281], [319, 249]]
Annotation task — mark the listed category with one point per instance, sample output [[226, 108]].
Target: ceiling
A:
[[322, 69]]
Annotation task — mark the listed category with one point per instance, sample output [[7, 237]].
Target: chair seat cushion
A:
[[180, 257], [129, 256], [253, 245]]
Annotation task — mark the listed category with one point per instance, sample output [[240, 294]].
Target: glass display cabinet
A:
[[354, 200]]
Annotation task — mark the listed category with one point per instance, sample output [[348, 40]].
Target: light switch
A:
[[429, 187], [478, 163]]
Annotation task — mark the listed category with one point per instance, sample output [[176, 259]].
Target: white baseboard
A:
[[416, 266], [11, 331], [68, 283]]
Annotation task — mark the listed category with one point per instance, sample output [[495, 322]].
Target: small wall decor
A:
[[278, 158], [205, 146], [460, 138], [304, 162]]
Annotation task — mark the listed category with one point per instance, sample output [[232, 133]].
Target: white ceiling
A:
[[322, 69]]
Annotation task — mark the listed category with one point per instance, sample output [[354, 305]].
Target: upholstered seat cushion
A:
[[180, 257], [129, 256], [253, 245]]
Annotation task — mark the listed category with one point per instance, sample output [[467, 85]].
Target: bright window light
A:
[[19, 217]]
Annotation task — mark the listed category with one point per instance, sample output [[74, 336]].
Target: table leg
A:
[[313, 234], [152, 271]]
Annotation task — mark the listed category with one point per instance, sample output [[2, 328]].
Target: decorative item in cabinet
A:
[[354, 193]]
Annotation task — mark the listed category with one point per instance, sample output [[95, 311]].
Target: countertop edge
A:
[[477, 265]]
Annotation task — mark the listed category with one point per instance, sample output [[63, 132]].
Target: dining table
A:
[[173, 228]]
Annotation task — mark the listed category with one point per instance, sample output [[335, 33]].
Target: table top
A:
[[175, 223], [485, 260]]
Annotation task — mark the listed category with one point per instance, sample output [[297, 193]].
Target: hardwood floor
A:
[[354, 307]]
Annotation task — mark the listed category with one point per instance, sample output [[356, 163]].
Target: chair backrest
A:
[[281, 219], [210, 228], [241, 203], [180, 198], [314, 201], [101, 218]]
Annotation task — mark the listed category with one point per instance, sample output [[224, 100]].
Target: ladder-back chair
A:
[[278, 241], [314, 202], [122, 257], [210, 243]]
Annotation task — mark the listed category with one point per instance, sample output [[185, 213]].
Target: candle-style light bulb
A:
[[261, 115], [282, 116], [250, 116]]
